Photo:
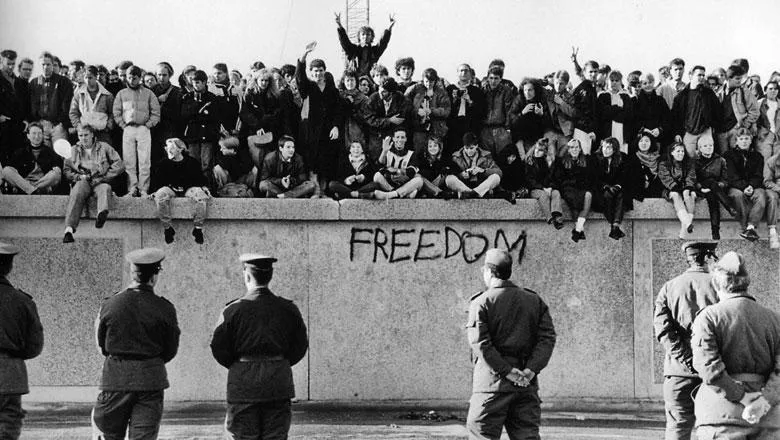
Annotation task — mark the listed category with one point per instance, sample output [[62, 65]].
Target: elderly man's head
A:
[[730, 275]]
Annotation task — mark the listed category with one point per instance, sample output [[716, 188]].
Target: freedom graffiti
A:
[[399, 245]]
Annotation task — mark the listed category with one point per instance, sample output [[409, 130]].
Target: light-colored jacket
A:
[[772, 173], [745, 108], [110, 164], [98, 112], [136, 107], [763, 120]]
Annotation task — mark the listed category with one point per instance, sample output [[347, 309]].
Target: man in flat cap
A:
[[736, 350], [512, 338], [21, 338], [138, 333], [676, 305], [258, 338]]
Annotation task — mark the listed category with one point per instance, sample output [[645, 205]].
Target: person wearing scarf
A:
[[467, 110], [354, 176], [355, 127], [678, 175], [644, 163], [711, 182]]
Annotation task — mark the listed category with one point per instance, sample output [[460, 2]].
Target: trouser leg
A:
[[144, 151], [275, 419], [678, 403], [200, 200], [49, 181], [145, 416], [380, 180], [691, 144], [11, 416], [525, 414], [79, 194], [487, 414], [12, 176], [455, 184], [758, 200], [543, 199], [130, 157], [414, 184], [772, 201], [242, 421], [269, 189], [488, 184], [740, 204], [163, 198], [111, 414], [304, 189], [103, 195]]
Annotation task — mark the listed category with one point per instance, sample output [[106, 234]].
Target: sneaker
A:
[[447, 195], [774, 241], [101, 219], [68, 238], [753, 235], [745, 234], [576, 235], [557, 221], [169, 233], [198, 234], [690, 225]]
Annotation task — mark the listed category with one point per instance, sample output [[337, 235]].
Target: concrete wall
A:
[[383, 286]]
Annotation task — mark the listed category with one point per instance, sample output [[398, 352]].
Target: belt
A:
[[260, 358], [748, 377]]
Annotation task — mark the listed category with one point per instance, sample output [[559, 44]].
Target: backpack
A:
[[235, 190]]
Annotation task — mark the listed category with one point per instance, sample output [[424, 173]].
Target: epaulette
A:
[[473, 297], [24, 293], [166, 300], [531, 290], [113, 294], [232, 301]]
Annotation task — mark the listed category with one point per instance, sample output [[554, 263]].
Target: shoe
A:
[[68, 238], [557, 221], [468, 195], [447, 195], [732, 211], [690, 225], [101, 219], [366, 195], [615, 233], [774, 241], [745, 234], [753, 235], [169, 233], [576, 235], [506, 195], [136, 193], [381, 195], [198, 234]]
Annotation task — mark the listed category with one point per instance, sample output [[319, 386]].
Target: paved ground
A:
[[333, 423]]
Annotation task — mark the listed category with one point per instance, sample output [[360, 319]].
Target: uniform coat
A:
[[21, 337]]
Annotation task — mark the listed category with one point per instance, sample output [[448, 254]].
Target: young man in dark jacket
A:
[[360, 57], [179, 175], [169, 97], [284, 174], [695, 112], [585, 108], [34, 169], [745, 174], [200, 116]]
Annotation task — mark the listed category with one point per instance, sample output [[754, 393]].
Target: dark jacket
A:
[[676, 306], [650, 112], [21, 337], [11, 99], [710, 111], [431, 168], [484, 160], [440, 106], [226, 104], [178, 176], [607, 113], [362, 58], [736, 337], [585, 107], [529, 127], [644, 182], [59, 91], [200, 117], [475, 112], [260, 325], [325, 110], [345, 169], [512, 174], [260, 110], [508, 327], [378, 119], [568, 174], [538, 173], [236, 165], [744, 168], [498, 103], [614, 173], [138, 333], [677, 177], [274, 168], [711, 173], [170, 124], [24, 160]]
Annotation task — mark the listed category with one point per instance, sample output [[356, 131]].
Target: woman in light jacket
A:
[[93, 105]]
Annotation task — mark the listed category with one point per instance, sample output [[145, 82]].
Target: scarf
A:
[[357, 161], [650, 160]]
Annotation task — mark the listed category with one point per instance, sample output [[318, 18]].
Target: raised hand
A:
[[392, 21], [574, 52], [338, 18], [311, 46]]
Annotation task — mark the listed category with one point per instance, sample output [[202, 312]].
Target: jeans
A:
[[79, 194], [203, 152], [46, 183], [691, 142], [550, 202], [750, 209], [163, 198], [494, 139], [304, 189], [137, 154], [488, 183]]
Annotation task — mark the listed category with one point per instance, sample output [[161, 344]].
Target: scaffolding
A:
[[357, 14]]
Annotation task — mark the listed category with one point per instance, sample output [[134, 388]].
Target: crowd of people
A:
[[293, 132]]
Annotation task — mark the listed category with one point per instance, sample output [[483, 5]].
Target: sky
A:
[[533, 37]]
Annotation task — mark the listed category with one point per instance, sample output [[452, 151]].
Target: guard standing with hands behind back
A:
[[21, 338], [258, 338], [677, 304], [512, 338]]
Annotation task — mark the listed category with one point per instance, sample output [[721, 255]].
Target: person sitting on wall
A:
[[354, 177], [91, 168], [611, 181], [385, 112], [539, 167], [234, 164], [35, 168], [398, 177], [179, 175], [284, 174], [434, 167], [678, 175], [573, 176], [476, 174], [745, 176]]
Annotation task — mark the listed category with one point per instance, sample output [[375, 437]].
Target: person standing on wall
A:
[[21, 338], [258, 338], [138, 333], [677, 304], [512, 338]]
